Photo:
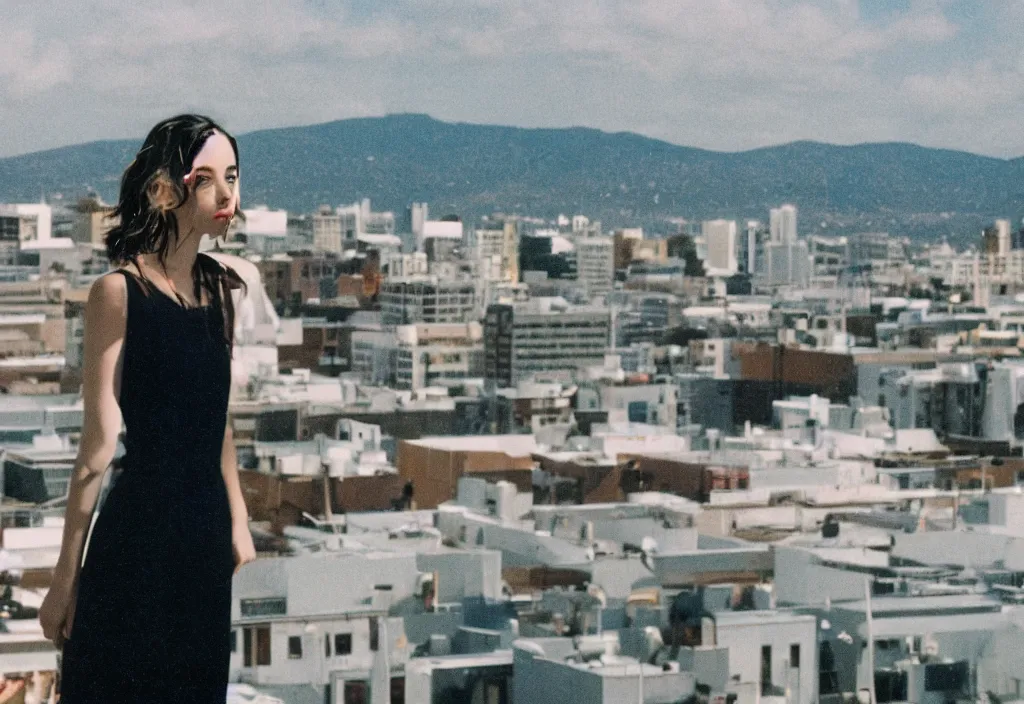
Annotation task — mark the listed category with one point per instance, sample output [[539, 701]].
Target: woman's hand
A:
[[241, 539], [57, 613]]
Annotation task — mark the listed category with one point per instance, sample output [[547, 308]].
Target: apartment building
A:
[[543, 335]]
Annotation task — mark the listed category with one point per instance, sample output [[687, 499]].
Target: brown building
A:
[[434, 465], [294, 279], [326, 349], [628, 247], [829, 374], [1009, 471], [93, 221], [283, 500], [591, 481]]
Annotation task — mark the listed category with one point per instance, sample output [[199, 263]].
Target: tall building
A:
[[595, 264], [996, 238], [867, 247], [1017, 239], [501, 245], [327, 235], [830, 256], [751, 247], [426, 299], [542, 335], [551, 256], [782, 224], [788, 265], [720, 239], [419, 213]]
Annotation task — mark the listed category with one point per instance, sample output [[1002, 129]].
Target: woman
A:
[[147, 617]]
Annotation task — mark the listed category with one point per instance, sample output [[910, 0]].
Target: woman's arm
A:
[[105, 321], [229, 470]]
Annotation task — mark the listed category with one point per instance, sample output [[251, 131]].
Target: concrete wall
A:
[[519, 545], [541, 681], [959, 548], [475, 573], [799, 581], [709, 665], [746, 638], [1001, 668]]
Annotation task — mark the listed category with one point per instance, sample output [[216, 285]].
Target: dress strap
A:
[[130, 284]]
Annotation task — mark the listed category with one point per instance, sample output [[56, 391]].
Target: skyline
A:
[[140, 137], [727, 75]]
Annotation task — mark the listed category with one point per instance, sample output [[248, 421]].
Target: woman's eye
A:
[[232, 179], [201, 180]]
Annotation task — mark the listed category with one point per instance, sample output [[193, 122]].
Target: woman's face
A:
[[214, 183]]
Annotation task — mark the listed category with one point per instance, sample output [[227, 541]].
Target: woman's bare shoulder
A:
[[108, 294]]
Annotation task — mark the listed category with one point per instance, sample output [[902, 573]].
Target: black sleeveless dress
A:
[[153, 613]]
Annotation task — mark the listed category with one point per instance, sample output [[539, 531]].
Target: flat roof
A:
[[740, 618], [890, 606], [512, 445]]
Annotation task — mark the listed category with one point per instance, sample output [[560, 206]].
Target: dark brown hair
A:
[[151, 188]]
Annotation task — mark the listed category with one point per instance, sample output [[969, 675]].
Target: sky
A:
[[727, 75]]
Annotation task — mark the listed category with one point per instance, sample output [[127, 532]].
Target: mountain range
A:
[[620, 178]]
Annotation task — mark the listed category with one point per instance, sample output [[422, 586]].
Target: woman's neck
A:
[[178, 264]]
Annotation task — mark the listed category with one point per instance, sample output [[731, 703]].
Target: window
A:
[[294, 647], [327, 645], [397, 690], [374, 634], [356, 692], [342, 643], [766, 669], [234, 641], [256, 644], [272, 606], [794, 656]]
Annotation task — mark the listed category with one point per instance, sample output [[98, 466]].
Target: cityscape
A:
[[651, 352], [538, 460]]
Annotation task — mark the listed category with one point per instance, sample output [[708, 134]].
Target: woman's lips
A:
[[222, 215]]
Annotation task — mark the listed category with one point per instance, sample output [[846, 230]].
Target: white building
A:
[[327, 234], [426, 299], [439, 230], [26, 222], [265, 230], [788, 265], [498, 247], [429, 355], [419, 213], [782, 224], [343, 227], [595, 264], [720, 240]]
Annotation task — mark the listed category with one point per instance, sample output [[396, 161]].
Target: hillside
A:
[[619, 178]]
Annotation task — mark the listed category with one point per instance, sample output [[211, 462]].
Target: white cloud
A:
[[726, 74]]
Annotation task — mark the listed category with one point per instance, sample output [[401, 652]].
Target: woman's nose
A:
[[224, 192]]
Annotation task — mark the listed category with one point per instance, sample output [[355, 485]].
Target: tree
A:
[[681, 246]]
